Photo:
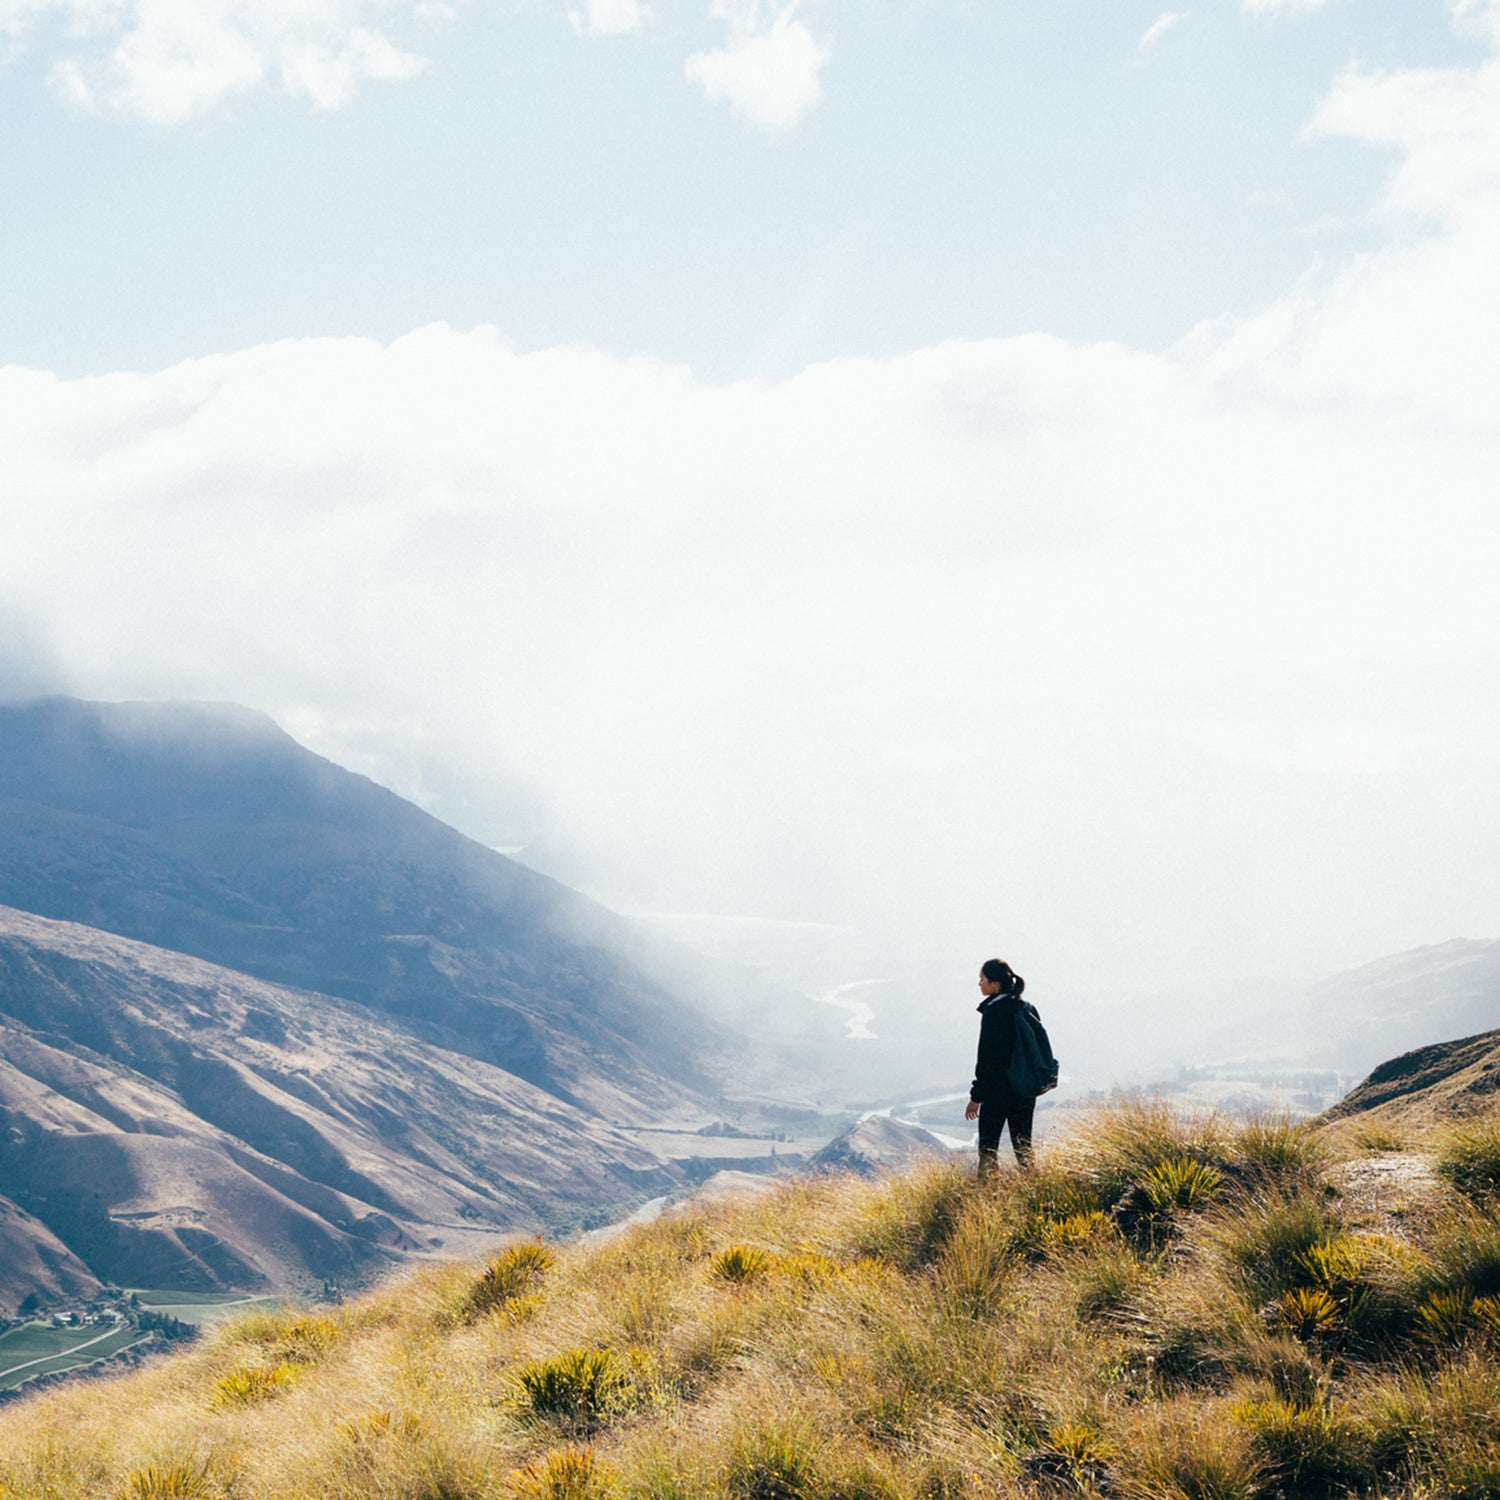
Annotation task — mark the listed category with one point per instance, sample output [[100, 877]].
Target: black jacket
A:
[[997, 1045]]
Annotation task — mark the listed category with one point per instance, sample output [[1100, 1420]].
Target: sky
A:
[[967, 477]]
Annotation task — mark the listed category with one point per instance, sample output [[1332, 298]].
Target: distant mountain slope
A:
[[1353, 1021], [1442, 990], [35, 1264], [206, 830], [166, 1122], [1447, 1080]]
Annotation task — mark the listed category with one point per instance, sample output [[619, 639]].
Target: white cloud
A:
[[1170, 663], [1417, 325], [169, 61], [1281, 7], [1477, 18], [1443, 123], [769, 70], [1159, 28], [608, 17]]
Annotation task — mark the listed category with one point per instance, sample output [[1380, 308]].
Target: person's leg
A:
[[991, 1123], [1022, 1114]]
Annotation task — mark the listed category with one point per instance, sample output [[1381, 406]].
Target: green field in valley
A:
[[203, 1307], [160, 1299], [40, 1349]]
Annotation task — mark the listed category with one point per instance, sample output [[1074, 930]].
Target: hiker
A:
[[993, 1099]]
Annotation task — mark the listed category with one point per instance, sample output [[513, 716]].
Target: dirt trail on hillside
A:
[[1385, 1191]]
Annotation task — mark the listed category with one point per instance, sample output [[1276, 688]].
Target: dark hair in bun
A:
[[997, 971]]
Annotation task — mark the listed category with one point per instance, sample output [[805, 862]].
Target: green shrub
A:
[[1335, 1265], [1050, 1207], [1374, 1281], [1123, 1143], [514, 1271], [1486, 1314], [252, 1383], [580, 1388], [1075, 1456], [1465, 1250], [306, 1340], [1182, 1183], [1308, 1313], [741, 1264], [1265, 1240], [1080, 1231], [1444, 1316], [914, 1216], [1305, 1446]]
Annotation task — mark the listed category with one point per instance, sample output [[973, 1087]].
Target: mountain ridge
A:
[[265, 1024], [207, 830], [198, 1087], [1444, 1080]]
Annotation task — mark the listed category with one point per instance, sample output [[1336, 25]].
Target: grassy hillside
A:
[[1165, 1308], [166, 1121], [1446, 1081]]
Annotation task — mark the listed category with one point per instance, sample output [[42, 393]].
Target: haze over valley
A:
[[265, 1026]]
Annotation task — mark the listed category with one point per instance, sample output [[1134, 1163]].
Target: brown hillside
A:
[[165, 1122], [1449, 1080], [35, 1264]]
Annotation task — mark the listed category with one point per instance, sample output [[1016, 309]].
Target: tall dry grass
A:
[[1168, 1308]]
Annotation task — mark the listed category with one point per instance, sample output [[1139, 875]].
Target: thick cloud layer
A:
[[1134, 667]]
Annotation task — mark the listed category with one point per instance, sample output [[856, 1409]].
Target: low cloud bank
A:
[[1136, 667]]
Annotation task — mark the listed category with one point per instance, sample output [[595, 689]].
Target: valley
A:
[[265, 1028]]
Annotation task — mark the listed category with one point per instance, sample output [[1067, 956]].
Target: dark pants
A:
[[994, 1116]]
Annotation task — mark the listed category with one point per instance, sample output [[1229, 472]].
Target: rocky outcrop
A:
[[877, 1145]]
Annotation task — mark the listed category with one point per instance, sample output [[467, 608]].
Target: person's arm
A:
[[983, 1063]]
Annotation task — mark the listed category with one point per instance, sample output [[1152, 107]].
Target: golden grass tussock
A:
[[739, 1264], [567, 1473], [179, 1481], [1469, 1157], [1167, 1308], [508, 1276]]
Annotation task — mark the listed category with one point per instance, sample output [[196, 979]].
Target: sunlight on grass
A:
[[919, 1338]]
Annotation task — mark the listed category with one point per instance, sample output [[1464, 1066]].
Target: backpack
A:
[[1033, 1069]]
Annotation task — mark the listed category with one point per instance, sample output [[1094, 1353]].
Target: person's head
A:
[[996, 977]]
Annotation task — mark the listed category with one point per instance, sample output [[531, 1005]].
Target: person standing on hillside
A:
[[992, 1100]]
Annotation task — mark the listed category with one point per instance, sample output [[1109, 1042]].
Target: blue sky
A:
[[987, 477], [968, 170]]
